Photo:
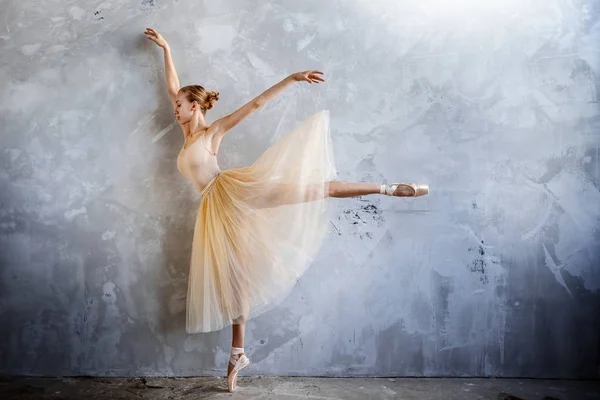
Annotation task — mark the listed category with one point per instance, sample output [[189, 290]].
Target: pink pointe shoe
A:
[[419, 189], [238, 364]]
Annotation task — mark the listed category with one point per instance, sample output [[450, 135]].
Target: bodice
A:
[[198, 164]]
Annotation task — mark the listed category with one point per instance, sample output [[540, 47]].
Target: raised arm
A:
[[172, 79], [225, 124]]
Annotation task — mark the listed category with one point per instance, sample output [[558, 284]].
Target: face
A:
[[184, 110]]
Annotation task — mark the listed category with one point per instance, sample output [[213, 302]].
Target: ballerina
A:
[[258, 227]]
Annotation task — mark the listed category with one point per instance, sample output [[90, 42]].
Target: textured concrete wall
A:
[[494, 104]]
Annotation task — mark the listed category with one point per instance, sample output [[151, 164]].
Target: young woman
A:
[[258, 227]]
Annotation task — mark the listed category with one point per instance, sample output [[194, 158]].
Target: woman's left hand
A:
[[311, 76], [156, 37]]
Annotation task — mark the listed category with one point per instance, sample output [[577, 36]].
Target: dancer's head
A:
[[193, 100]]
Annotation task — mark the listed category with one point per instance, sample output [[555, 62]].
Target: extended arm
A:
[[225, 124], [171, 73]]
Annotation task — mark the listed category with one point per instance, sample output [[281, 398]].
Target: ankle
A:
[[236, 352]]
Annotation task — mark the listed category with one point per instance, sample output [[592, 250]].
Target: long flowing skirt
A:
[[258, 228]]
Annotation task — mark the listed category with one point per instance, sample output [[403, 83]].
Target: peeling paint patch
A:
[[479, 265]]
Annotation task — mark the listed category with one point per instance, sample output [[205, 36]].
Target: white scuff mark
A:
[[442, 55], [194, 344], [77, 13], [288, 26], [57, 48], [14, 154], [533, 231], [215, 37], [588, 48], [76, 153], [109, 235], [569, 193], [71, 214], [142, 122], [30, 49], [555, 269], [304, 42], [109, 297], [261, 67], [456, 346], [162, 133]]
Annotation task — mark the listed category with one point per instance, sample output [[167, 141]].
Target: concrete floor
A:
[[296, 388]]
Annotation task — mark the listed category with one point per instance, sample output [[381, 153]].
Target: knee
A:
[[335, 189], [240, 320]]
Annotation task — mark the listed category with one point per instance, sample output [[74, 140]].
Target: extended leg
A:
[[350, 189], [277, 194]]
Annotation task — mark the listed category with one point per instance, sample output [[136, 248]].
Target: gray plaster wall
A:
[[494, 104]]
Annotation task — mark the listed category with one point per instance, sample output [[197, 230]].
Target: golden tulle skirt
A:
[[258, 228]]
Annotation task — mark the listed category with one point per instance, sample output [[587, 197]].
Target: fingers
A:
[[152, 32], [314, 77]]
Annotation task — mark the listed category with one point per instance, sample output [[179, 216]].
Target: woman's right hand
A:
[[310, 76], [156, 37]]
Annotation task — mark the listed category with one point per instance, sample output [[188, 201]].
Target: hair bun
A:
[[211, 98]]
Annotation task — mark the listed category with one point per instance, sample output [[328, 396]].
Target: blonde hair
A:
[[204, 98]]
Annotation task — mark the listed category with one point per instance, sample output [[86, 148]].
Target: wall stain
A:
[[365, 214], [479, 264]]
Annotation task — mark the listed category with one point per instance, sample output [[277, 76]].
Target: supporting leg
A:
[[238, 332], [238, 359]]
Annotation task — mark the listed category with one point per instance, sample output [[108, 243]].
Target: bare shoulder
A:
[[216, 129], [213, 136]]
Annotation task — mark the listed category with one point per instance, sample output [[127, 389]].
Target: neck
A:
[[194, 126]]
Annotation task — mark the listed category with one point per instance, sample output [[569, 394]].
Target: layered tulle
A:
[[258, 228]]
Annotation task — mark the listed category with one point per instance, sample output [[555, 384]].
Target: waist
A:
[[209, 185]]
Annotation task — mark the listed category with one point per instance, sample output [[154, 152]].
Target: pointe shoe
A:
[[420, 189], [238, 364]]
